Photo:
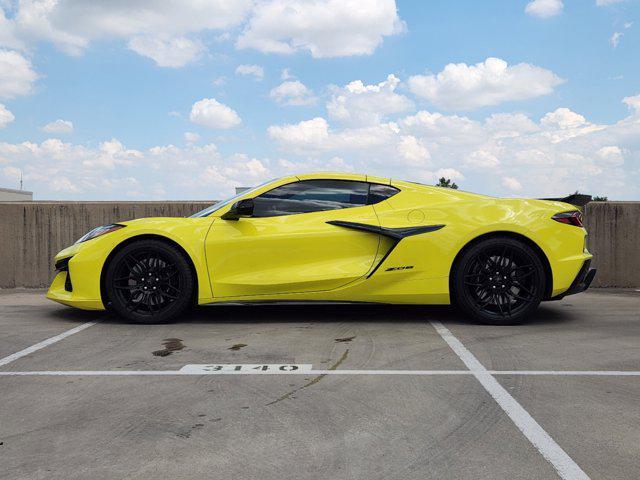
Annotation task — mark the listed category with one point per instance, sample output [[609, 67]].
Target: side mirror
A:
[[242, 208]]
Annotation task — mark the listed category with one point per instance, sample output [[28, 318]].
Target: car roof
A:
[[359, 177]]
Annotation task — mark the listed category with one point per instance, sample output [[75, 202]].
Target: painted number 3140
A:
[[245, 368]]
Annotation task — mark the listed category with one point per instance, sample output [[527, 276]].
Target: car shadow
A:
[[548, 313]]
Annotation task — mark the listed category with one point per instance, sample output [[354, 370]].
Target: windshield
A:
[[217, 206]]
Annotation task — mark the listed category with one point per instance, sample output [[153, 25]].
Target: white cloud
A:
[[6, 117], [12, 173], [254, 70], [191, 137], [461, 86], [8, 34], [562, 124], [16, 75], [213, 114], [552, 156], [154, 29], [511, 183], [286, 75], [110, 154], [450, 173], [561, 152], [170, 32], [325, 28], [58, 126], [544, 8], [632, 102], [58, 170], [504, 125], [611, 154], [615, 39], [173, 52], [312, 134], [413, 151], [482, 159], [360, 104], [563, 118], [292, 92]]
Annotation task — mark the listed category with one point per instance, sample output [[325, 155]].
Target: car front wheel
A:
[[149, 281], [499, 280]]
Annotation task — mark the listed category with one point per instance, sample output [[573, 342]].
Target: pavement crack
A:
[[313, 381]]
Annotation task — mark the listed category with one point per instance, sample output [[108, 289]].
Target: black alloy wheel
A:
[[499, 281], [149, 281]]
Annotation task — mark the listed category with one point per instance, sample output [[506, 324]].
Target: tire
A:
[[149, 281], [499, 281]]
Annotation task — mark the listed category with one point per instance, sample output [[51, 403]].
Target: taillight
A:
[[570, 218]]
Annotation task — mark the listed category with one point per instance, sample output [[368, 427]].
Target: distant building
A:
[[11, 195]]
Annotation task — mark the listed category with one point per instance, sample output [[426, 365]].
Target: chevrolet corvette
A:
[[334, 238]]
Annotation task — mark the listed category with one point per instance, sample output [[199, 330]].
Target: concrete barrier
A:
[[614, 240], [31, 233]]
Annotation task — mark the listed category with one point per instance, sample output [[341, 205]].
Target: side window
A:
[[310, 196], [378, 193]]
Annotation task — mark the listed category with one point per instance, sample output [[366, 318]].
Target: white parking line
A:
[[45, 343], [579, 373], [115, 373], [548, 448]]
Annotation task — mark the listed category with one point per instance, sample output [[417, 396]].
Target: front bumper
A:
[[59, 292], [581, 282], [77, 279]]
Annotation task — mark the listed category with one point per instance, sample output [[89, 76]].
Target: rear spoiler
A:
[[577, 199]]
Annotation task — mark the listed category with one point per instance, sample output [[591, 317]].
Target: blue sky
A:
[[185, 100]]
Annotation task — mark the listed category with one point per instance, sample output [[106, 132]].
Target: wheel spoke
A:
[[523, 275], [522, 287], [497, 298]]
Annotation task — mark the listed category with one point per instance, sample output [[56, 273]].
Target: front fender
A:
[[88, 259]]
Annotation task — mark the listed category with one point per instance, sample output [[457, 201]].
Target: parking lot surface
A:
[[321, 392]]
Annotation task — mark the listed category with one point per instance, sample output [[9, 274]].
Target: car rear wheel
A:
[[149, 281], [499, 281]]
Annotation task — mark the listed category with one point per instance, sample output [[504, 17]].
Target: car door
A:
[[287, 246]]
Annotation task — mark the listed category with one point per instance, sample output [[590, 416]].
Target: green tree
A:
[[446, 183], [599, 199]]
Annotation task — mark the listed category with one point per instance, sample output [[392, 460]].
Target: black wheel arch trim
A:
[[396, 234]]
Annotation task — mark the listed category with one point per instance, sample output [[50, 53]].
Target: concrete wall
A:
[[614, 240], [32, 233]]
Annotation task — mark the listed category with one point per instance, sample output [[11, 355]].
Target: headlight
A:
[[96, 232]]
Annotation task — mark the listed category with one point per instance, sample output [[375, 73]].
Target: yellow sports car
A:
[[334, 237]]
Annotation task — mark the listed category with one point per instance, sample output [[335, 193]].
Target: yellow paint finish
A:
[[289, 254]]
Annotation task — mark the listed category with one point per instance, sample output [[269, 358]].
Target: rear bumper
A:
[[581, 282]]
